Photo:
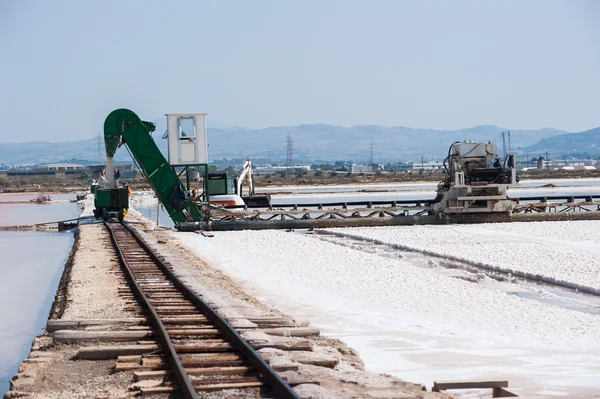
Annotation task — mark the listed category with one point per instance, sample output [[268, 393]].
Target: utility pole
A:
[[503, 134], [547, 161], [371, 161], [422, 163], [509, 144], [290, 150]]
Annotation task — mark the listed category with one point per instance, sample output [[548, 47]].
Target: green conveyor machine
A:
[[123, 126]]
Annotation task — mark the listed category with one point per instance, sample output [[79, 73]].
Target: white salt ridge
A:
[[567, 251]]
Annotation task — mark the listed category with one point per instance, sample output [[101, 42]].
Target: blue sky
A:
[[65, 65]]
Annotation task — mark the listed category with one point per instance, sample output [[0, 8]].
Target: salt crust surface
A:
[[567, 251], [412, 322], [354, 283]]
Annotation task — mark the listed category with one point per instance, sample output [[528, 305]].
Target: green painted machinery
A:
[[123, 126], [111, 202]]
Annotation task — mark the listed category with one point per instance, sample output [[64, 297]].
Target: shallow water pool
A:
[[32, 263]]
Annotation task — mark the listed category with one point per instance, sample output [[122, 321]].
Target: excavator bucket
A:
[[258, 201]]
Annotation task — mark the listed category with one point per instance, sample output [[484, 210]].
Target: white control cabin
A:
[[187, 139]]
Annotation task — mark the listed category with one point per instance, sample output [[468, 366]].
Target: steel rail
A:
[[183, 380], [277, 384], [556, 197]]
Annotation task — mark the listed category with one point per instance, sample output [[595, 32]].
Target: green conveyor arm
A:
[[126, 125]]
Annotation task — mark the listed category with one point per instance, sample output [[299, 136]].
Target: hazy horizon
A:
[[225, 127], [436, 65]]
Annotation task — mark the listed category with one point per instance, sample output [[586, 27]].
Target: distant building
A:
[[541, 163], [431, 165], [51, 169], [126, 170], [264, 170], [63, 167], [70, 169], [398, 166], [17, 173], [360, 168]]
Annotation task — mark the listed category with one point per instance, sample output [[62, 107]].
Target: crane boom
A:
[[124, 126]]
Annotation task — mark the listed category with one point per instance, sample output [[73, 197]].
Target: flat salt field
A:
[[568, 251], [421, 325]]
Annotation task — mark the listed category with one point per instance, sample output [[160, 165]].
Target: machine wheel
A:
[[120, 216], [97, 213]]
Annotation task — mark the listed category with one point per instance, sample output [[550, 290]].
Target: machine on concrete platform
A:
[[186, 134], [123, 127], [227, 190], [476, 180]]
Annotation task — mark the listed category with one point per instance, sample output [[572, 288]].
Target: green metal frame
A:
[[186, 169], [123, 125]]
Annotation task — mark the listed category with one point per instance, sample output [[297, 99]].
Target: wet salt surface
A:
[[29, 196], [32, 263], [150, 211], [22, 214]]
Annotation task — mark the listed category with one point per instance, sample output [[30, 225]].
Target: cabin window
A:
[[187, 128]]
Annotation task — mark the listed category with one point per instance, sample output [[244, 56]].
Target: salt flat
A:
[[567, 251], [423, 326]]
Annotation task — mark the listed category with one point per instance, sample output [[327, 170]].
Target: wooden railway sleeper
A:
[[203, 342]]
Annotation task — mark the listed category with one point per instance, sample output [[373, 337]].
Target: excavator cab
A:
[[219, 183], [226, 190]]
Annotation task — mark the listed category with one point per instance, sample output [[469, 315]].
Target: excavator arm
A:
[[123, 126], [245, 173]]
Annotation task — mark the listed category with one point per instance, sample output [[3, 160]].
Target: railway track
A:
[[204, 353]]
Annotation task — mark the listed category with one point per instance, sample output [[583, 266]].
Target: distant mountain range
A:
[[326, 143], [575, 144]]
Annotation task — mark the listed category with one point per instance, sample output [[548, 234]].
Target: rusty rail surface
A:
[[152, 281]]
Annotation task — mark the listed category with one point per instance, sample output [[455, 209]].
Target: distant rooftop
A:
[[60, 166]]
